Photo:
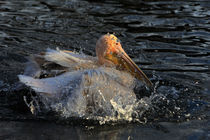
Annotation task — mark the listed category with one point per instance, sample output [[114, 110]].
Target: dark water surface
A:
[[169, 40]]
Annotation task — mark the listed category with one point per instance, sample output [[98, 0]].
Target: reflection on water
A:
[[164, 130], [169, 40]]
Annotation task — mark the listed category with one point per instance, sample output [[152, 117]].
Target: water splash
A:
[[104, 95], [100, 98]]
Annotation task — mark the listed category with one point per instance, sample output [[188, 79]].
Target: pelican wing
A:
[[55, 62], [71, 60], [105, 79], [53, 85]]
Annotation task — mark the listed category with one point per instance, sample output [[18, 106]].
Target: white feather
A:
[[65, 59], [54, 85]]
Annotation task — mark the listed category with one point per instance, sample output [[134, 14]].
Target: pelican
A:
[[76, 84]]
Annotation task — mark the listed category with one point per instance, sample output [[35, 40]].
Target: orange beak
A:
[[118, 56]]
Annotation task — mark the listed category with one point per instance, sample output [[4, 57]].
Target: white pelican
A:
[[75, 84]]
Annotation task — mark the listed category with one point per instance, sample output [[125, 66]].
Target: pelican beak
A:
[[123, 61], [131, 67]]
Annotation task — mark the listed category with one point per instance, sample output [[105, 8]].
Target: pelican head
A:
[[110, 53]]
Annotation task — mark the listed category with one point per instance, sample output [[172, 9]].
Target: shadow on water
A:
[[169, 40]]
